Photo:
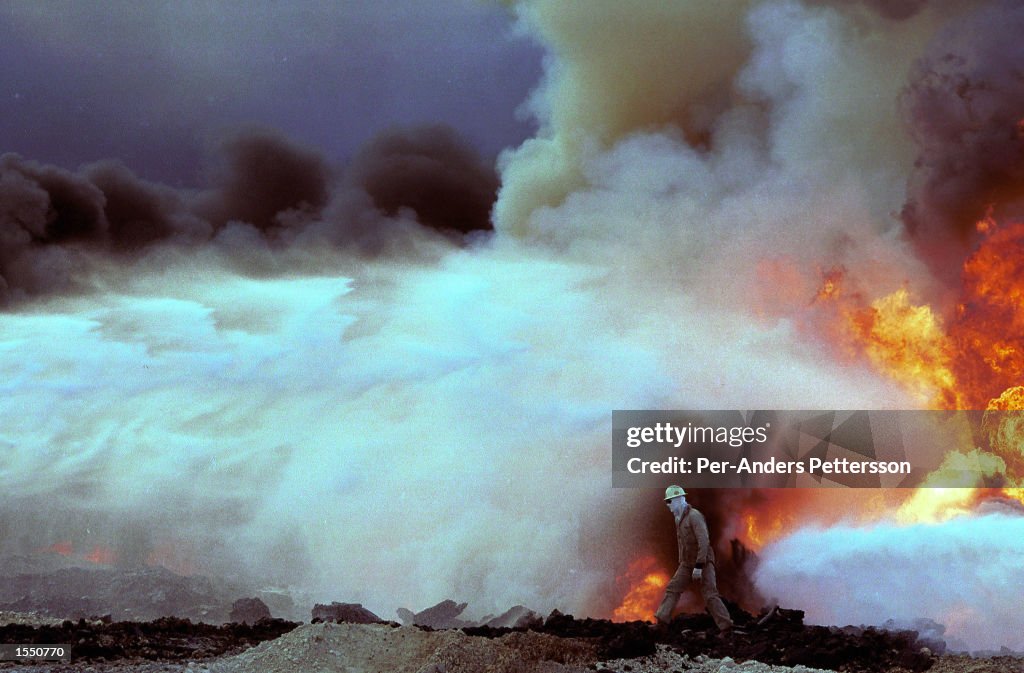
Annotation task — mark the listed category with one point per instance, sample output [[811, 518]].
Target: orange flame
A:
[[986, 224], [988, 330], [176, 556], [960, 361], [64, 548], [907, 343], [972, 360], [101, 555], [969, 358], [646, 582], [767, 524]]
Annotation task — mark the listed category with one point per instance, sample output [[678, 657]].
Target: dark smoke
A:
[[53, 221], [139, 213], [263, 175], [44, 212], [72, 211], [432, 172], [965, 103]]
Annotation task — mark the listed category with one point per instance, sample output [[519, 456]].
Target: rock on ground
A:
[[353, 613], [249, 611]]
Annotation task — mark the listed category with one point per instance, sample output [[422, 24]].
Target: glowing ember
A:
[[647, 582], [986, 224]]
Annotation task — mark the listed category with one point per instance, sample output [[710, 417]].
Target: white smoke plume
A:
[[401, 429], [720, 132], [963, 574], [395, 437]]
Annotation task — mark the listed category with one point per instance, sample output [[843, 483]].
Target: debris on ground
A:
[[249, 611], [352, 613]]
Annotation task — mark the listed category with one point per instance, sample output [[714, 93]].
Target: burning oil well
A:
[[390, 381]]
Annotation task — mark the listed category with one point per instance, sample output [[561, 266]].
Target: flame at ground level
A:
[[646, 585], [63, 548]]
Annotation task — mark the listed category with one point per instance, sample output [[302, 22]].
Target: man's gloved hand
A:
[[697, 574]]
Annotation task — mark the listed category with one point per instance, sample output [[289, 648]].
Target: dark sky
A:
[[155, 83]]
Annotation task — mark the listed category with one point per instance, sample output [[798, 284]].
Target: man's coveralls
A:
[[694, 552]]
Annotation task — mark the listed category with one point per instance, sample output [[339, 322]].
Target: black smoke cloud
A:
[[262, 175], [432, 172], [137, 213], [51, 219], [965, 103], [55, 222]]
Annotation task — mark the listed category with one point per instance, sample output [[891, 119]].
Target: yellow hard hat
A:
[[673, 491]]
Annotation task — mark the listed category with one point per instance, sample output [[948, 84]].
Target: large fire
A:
[[963, 362], [972, 358]]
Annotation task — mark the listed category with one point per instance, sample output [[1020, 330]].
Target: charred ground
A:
[[777, 637]]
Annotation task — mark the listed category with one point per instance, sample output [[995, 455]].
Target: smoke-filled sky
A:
[[341, 296], [155, 84]]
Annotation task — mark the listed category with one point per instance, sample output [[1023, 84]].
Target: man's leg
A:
[[675, 586], [668, 604], [712, 601]]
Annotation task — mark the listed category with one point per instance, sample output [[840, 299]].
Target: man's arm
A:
[[700, 530]]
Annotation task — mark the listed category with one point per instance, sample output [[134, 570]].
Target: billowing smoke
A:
[[432, 172], [961, 574], [262, 177], [137, 213], [964, 104], [51, 218], [411, 434], [397, 428], [733, 167], [58, 226]]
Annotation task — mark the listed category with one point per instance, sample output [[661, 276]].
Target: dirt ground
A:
[[390, 648]]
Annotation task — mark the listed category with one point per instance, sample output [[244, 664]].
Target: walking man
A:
[[696, 562]]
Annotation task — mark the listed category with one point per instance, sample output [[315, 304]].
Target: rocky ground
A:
[[558, 644]]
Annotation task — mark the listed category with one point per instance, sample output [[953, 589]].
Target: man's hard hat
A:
[[673, 491]]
